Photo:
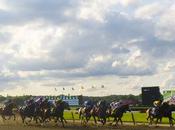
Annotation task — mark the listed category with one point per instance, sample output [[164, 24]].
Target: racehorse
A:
[[117, 114], [96, 111], [100, 111], [84, 114], [58, 111], [164, 110], [7, 111], [28, 112]]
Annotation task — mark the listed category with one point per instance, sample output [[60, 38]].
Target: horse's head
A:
[[126, 107]]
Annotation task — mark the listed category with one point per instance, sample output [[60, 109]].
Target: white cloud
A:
[[165, 24], [149, 11], [73, 43], [128, 2]]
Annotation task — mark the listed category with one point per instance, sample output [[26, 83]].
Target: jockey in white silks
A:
[[156, 106], [115, 105]]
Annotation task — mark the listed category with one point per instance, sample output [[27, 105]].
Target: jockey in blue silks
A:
[[88, 104]]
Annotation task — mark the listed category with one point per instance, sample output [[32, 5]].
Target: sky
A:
[[123, 45]]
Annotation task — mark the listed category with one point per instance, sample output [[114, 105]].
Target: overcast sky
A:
[[48, 45]]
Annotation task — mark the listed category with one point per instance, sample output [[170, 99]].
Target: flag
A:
[[72, 88], [55, 89], [102, 86], [63, 88], [82, 87], [93, 87]]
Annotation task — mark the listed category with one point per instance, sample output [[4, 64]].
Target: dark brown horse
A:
[[117, 114], [98, 111], [58, 112], [101, 113], [7, 112], [164, 110], [84, 114], [28, 112]]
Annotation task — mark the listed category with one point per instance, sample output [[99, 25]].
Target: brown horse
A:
[[164, 110], [101, 113], [58, 112], [84, 114], [96, 111], [7, 111], [117, 114]]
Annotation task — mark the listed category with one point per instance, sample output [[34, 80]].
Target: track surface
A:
[[78, 127], [17, 125]]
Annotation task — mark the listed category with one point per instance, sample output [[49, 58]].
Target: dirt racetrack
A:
[[16, 125], [78, 127]]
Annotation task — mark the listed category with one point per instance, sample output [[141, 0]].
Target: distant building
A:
[[150, 94], [168, 94], [71, 100]]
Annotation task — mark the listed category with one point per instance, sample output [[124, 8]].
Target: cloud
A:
[[164, 30], [72, 43], [149, 11]]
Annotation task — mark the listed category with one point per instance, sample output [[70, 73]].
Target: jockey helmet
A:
[[156, 103]]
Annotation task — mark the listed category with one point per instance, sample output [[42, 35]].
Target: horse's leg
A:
[[104, 120], [116, 121], [87, 119], [80, 115], [160, 120], [150, 120], [121, 121], [133, 119], [36, 120], [108, 118], [81, 119], [170, 121], [31, 118], [23, 119], [14, 117], [156, 122], [95, 121], [3, 117], [62, 121], [57, 119]]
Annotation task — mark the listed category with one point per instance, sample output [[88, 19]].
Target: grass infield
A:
[[139, 117]]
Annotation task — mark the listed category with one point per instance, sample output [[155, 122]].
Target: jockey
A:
[[115, 105], [29, 102], [88, 104], [102, 103], [156, 105], [51, 103], [9, 101], [58, 102], [39, 100]]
